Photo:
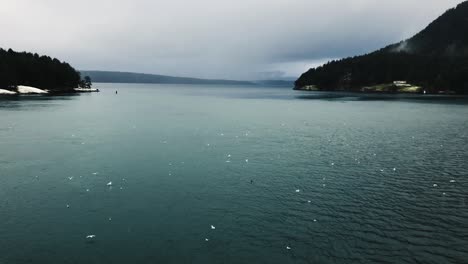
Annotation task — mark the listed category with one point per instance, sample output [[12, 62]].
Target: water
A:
[[336, 178]]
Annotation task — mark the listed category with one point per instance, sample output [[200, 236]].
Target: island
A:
[[28, 73], [433, 61]]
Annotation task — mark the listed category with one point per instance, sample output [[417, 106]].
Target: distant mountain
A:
[[436, 59], [131, 77], [279, 83]]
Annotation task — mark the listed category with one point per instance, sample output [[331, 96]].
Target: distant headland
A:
[[28, 73], [433, 61], [133, 77]]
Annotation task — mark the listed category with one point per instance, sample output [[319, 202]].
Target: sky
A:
[[236, 39]]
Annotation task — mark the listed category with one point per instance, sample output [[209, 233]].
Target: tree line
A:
[[436, 59], [434, 73], [44, 72]]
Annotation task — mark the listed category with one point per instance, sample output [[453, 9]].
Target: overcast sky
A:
[[236, 39]]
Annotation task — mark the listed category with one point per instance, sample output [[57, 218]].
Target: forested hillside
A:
[[435, 59]]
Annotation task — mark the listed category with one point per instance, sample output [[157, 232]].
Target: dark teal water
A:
[[337, 178]]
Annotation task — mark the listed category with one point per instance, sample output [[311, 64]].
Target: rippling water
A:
[[283, 176]]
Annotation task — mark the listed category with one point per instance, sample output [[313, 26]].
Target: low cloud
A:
[[240, 39]]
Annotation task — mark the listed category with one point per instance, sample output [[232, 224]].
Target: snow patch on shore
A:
[[30, 90], [3, 91], [86, 90]]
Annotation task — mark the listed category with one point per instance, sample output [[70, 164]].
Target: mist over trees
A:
[[436, 59], [44, 72]]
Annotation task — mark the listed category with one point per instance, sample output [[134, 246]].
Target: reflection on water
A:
[[455, 99], [286, 93], [13, 102]]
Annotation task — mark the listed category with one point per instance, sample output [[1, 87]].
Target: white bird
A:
[[68, 206], [95, 173], [394, 169], [435, 185], [206, 239], [452, 181], [109, 184], [213, 227], [288, 248], [229, 155], [70, 178], [298, 190], [247, 160], [90, 236]]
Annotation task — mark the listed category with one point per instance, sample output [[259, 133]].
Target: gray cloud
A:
[[240, 39]]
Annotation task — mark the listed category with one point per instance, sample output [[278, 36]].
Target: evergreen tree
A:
[[22, 68], [436, 59]]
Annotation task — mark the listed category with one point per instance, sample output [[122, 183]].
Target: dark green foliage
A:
[[22, 68], [86, 82], [436, 58]]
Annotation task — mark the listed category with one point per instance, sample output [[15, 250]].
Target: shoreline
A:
[[451, 95], [29, 90], [370, 90]]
